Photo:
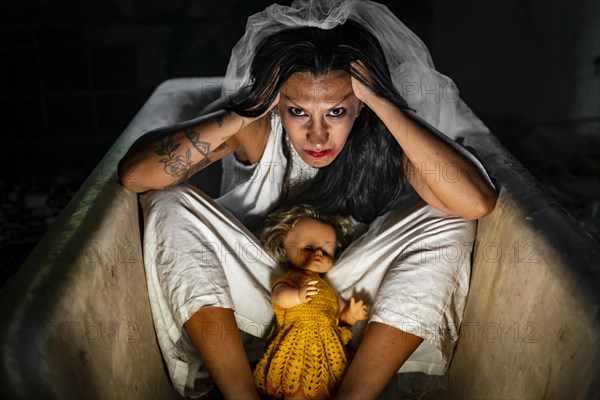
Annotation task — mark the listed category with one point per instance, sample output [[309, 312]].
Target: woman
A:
[[334, 109]]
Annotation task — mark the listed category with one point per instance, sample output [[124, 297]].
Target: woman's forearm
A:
[[157, 161], [440, 174], [382, 351]]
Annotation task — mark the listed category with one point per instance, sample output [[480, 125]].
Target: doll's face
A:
[[310, 245], [317, 114]]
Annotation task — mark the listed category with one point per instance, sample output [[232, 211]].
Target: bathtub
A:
[[76, 320]]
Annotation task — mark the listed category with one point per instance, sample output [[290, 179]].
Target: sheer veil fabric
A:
[[427, 91], [433, 96]]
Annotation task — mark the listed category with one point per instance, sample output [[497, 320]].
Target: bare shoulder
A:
[[251, 140]]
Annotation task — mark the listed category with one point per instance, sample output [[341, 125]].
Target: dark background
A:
[[74, 72]]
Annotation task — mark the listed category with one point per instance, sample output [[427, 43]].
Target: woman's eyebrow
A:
[[290, 100], [341, 101]]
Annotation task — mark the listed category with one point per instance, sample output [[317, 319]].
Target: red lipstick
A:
[[318, 154]]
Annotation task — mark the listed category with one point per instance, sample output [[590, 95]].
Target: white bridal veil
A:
[[433, 95]]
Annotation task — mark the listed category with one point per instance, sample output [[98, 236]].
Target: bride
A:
[[335, 104]]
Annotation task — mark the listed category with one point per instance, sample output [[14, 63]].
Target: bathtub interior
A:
[[76, 319]]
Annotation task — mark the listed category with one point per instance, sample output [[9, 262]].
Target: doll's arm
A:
[[287, 296], [351, 313]]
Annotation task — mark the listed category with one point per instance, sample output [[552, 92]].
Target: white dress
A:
[[412, 265]]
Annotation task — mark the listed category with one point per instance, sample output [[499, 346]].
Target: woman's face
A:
[[317, 113], [310, 245]]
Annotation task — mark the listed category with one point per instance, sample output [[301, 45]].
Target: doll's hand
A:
[[306, 292], [358, 310]]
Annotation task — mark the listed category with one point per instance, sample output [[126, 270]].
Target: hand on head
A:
[[363, 92]]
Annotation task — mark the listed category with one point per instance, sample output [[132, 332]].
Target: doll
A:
[[306, 359]]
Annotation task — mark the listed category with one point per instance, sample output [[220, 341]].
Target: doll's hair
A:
[[281, 222], [365, 180]]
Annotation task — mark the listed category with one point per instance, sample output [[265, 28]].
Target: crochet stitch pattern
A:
[[307, 353]]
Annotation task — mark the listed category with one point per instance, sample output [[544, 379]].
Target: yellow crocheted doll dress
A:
[[307, 353]]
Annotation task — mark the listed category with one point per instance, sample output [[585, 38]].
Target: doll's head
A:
[[305, 239]]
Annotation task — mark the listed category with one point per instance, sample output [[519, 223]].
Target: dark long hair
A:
[[366, 179]]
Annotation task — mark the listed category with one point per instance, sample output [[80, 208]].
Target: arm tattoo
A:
[[221, 147], [202, 147], [191, 170], [201, 164], [220, 120], [182, 166], [167, 146], [175, 165]]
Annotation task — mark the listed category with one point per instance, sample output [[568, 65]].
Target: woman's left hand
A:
[[363, 92], [466, 194]]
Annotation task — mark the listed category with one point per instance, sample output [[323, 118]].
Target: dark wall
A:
[[75, 72], [531, 70]]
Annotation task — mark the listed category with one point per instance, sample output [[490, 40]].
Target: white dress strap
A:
[[251, 191]]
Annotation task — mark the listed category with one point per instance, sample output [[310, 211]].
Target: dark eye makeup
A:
[[335, 113], [296, 112]]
